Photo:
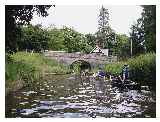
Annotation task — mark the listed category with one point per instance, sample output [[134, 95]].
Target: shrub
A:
[[141, 68], [27, 67]]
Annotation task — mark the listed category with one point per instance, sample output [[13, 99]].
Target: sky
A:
[[84, 18]]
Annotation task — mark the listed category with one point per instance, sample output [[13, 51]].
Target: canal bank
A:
[[23, 69], [142, 69]]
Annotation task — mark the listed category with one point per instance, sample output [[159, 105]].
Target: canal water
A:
[[64, 96]]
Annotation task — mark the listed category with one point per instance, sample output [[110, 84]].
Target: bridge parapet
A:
[[69, 58], [61, 54]]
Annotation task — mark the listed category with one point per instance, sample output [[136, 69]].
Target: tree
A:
[[16, 15], [149, 23], [122, 46], [75, 41], [143, 32], [137, 38], [65, 39], [56, 39], [84, 46], [105, 33], [91, 40], [33, 38]]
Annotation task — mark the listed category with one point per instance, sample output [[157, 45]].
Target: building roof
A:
[[97, 49]]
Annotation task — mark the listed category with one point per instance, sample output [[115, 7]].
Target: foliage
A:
[[30, 67], [56, 39], [143, 32], [76, 68], [19, 74], [141, 68], [66, 39], [36, 60], [149, 23], [75, 41], [16, 15], [122, 46], [69, 40], [137, 38], [91, 39], [105, 34], [33, 38], [16, 71]]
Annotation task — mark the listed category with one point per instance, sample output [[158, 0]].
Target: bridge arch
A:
[[82, 64]]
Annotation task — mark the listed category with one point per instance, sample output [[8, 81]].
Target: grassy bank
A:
[[141, 68], [25, 68]]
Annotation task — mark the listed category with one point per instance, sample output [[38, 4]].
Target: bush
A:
[[28, 68], [39, 62], [142, 68]]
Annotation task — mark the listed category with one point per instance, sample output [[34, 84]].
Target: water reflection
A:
[[75, 97]]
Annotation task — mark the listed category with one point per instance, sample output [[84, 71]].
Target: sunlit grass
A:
[[141, 68], [30, 67]]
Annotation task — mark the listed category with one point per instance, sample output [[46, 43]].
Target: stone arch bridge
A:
[[93, 59]]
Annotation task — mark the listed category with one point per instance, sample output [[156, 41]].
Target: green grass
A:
[[39, 62], [142, 68], [27, 67]]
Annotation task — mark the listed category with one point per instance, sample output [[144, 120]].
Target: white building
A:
[[97, 49]]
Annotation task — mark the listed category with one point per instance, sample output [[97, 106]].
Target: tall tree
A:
[[16, 15], [143, 32], [149, 23], [105, 32], [137, 38]]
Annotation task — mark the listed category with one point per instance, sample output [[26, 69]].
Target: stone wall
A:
[[69, 58]]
